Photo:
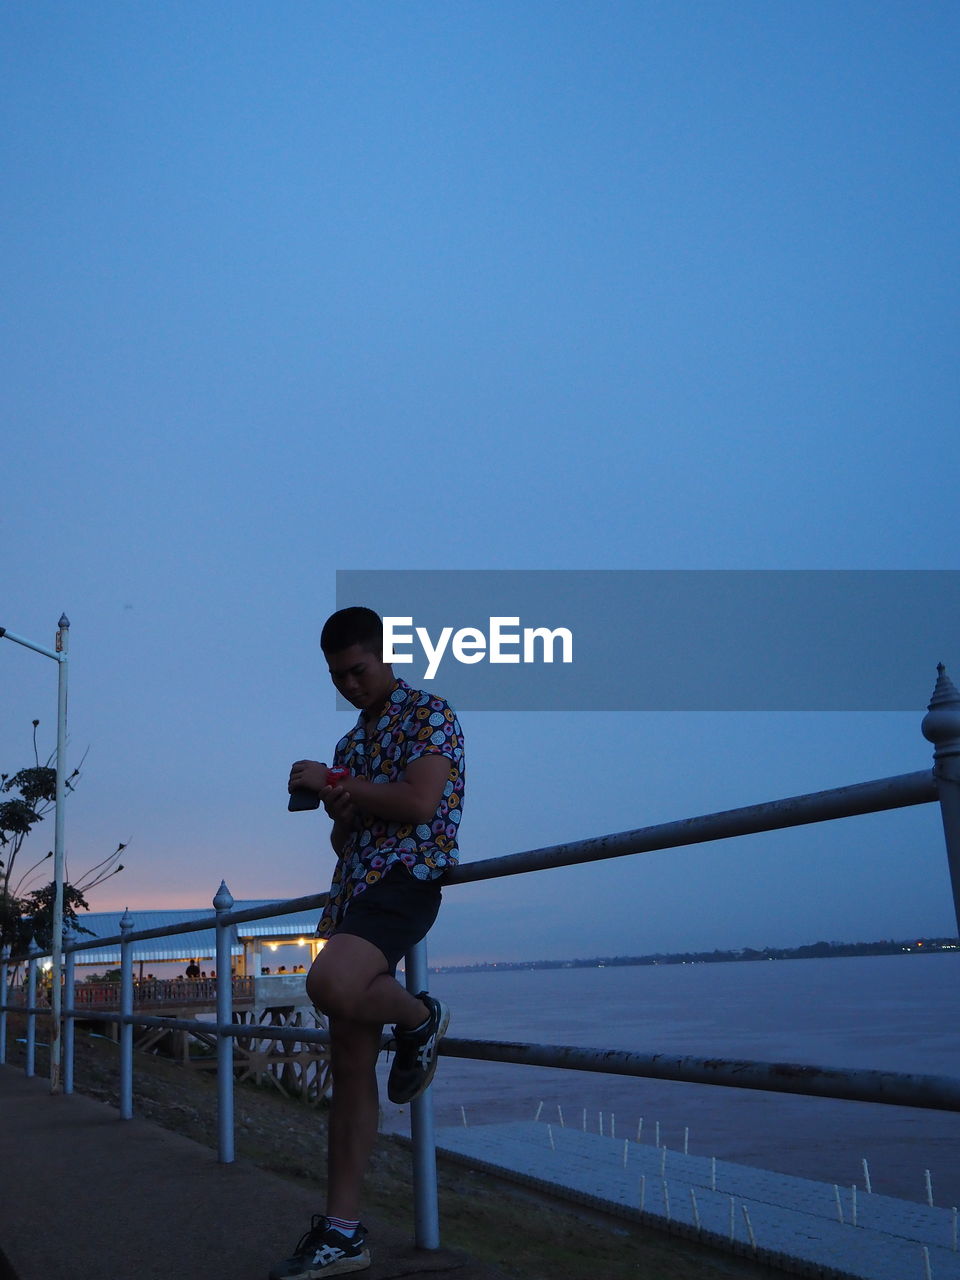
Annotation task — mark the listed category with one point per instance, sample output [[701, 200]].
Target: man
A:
[[395, 820]]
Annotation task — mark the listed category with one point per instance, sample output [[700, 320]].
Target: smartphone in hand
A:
[[303, 798]]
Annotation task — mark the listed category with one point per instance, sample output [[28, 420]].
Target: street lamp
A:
[[59, 655]]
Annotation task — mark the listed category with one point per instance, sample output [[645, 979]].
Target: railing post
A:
[[69, 1003], [32, 951], [4, 997], [222, 904], [126, 1012], [425, 1201], [941, 726]]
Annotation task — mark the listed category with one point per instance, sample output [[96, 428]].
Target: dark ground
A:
[[528, 1235]]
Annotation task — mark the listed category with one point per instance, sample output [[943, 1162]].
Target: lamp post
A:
[[59, 655]]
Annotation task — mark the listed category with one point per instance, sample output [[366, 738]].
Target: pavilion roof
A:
[[200, 944]]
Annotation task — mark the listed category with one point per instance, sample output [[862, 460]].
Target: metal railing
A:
[[150, 992], [941, 726]]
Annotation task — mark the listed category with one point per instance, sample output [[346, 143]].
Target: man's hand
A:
[[339, 806], [310, 774]]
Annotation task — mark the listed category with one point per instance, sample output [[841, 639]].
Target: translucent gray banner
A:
[[667, 640]]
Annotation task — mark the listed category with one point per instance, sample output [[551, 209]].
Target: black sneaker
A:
[[415, 1058], [324, 1251]]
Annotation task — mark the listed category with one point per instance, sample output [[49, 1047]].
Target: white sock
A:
[[345, 1225]]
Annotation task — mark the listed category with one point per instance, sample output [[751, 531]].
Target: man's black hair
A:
[[356, 625]]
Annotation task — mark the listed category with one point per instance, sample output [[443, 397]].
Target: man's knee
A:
[[341, 975], [335, 990], [330, 991]]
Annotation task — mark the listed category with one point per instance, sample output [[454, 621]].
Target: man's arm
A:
[[413, 799]]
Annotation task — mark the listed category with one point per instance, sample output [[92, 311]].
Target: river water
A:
[[899, 1013]]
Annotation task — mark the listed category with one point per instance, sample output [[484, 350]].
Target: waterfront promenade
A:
[[85, 1195], [795, 1225]]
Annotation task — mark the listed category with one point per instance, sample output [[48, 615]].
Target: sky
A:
[[304, 287]]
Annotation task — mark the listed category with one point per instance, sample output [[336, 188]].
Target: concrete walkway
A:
[[794, 1224], [85, 1195]]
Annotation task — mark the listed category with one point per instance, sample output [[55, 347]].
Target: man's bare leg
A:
[[350, 981], [354, 1112]]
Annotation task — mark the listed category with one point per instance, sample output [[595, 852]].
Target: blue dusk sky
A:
[[292, 288]]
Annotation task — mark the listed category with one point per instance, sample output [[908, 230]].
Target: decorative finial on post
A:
[[126, 921], [941, 724], [224, 899]]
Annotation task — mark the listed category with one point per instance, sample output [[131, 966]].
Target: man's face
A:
[[360, 676]]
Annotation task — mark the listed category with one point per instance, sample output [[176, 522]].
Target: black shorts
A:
[[393, 914]]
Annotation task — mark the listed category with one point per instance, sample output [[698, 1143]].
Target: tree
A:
[[26, 912], [36, 916]]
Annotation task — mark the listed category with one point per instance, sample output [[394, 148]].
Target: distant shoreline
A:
[[813, 951]]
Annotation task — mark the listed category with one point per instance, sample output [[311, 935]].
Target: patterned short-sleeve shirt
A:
[[414, 723]]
